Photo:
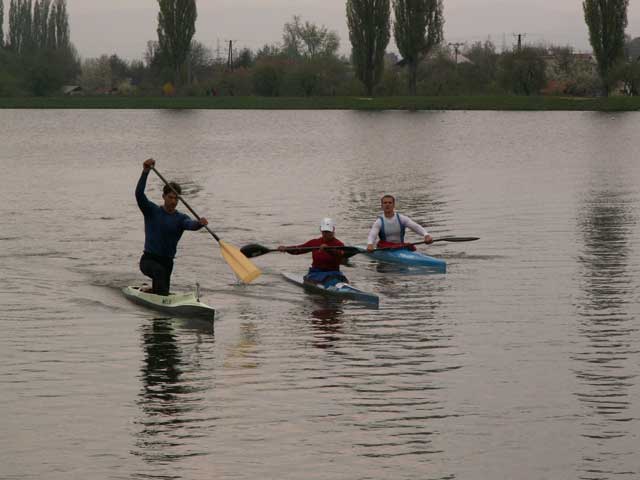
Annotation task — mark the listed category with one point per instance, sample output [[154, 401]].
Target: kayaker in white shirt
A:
[[389, 228]]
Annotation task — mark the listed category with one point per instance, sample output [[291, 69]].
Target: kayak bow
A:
[[402, 256]]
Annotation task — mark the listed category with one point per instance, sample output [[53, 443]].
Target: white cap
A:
[[327, 225]]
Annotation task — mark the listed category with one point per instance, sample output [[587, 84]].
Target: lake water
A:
[[521, 361]]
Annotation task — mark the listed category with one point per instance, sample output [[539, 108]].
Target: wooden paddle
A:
[[241, 266]]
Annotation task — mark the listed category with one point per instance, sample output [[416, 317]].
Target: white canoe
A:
[[176, 304]]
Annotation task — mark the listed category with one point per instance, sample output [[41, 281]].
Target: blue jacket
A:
[[162, 230]]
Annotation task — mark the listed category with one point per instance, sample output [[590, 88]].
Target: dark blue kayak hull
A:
[[340, 290]]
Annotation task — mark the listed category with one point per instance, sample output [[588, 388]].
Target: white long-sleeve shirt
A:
[[392, 228]]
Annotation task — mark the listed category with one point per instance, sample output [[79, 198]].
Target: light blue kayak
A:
[[339, 290], [410, 258]]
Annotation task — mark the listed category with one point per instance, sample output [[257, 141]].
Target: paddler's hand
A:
[[146, 166], [428, 239], [370, 248], [323, 246], [282, 248], [204, 221]]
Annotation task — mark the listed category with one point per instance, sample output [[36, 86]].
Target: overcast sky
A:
[[124, 26]]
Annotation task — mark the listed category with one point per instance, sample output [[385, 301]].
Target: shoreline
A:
[[487, 103]]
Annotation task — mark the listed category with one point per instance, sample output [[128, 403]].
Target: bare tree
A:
[[308, 40]]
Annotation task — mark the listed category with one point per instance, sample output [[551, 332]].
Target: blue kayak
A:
[[402, 256], [338, 290]]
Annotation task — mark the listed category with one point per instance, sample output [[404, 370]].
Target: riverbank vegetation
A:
[[39, 66], [457, 102]]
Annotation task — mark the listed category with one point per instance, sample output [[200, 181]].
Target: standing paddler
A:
[[389, 228], [163, 228]]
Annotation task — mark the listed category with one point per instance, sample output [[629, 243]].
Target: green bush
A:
[[267, 79]]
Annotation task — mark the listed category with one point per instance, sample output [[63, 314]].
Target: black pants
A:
[[159, 270]]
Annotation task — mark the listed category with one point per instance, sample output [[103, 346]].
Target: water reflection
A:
[[243, 354], [607, 354], [172, 394], [400, 393], [328, 325]]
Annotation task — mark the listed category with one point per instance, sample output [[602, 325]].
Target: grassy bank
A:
[[333, 103]]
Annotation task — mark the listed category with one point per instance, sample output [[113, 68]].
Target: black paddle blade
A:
[[254, 250], [456, 239]]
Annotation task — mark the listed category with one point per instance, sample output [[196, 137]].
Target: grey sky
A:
[[124, 26]]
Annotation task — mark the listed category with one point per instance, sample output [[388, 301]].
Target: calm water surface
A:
[[521, 362]]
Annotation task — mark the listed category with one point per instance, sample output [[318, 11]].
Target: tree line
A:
[[37, 57], [36, 54], [38, 25]]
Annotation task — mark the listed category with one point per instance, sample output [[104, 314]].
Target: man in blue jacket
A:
[[163, 228]]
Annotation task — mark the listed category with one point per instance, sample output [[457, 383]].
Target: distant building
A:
[[72, 90], [460, 58], [567, 72], [449, 53], [583, 61], [106, 91]]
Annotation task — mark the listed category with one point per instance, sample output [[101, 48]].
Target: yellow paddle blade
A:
[[241, 265]]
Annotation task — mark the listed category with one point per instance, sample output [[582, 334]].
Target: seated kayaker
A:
[[325, 268], [163, 227], [389, 228]]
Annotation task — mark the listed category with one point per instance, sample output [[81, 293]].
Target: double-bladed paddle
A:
[[405, 245], [442, 239], [256, 250], [241, 266]]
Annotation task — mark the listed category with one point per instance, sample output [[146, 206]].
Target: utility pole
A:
[[230, 56], [519, 37], [456, 48]]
